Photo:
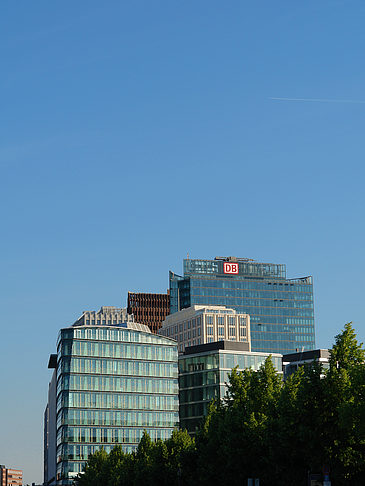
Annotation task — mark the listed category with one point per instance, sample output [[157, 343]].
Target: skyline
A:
[[134, 134]]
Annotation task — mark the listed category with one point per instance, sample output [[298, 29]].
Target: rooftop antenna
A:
[[188, 255]]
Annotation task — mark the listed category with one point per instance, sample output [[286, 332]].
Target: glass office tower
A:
[[281, 310], [113, 382]]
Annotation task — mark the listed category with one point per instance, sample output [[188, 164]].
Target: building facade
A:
[[201, 324], [293, 361], [10, 477], [281, 310], [50, 427], [203, 373], [112, 383], [149, 309]]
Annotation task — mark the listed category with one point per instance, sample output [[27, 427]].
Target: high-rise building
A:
[[200, 324], [149, 309], [280, 309], [203, 374], [110, 384], [10, 477]]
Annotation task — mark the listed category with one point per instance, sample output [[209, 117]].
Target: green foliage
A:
[[265, 428]]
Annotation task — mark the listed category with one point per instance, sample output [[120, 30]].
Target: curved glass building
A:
[[112, 383]]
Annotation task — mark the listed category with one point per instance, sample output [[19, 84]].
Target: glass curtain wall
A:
[[281, 310], [112, 384]]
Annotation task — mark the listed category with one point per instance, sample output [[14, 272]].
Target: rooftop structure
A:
[[107, 315]]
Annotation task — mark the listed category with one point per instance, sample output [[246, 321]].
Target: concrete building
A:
[[110, 383], [200, 324], [10, 477], [280, 309], [149, 309], [203, 373]]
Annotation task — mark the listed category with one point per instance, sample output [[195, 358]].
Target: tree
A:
[[345, 413], [95, 471]]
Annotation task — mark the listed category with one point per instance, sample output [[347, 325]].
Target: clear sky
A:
[[133, 133]]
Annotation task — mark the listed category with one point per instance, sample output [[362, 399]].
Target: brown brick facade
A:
[[149, 309]]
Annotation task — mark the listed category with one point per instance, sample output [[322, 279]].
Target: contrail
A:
[[318, 100]]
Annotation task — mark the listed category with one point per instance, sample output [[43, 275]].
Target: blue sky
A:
[[133, 133]]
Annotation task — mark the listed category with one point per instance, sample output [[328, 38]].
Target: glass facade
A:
[[203, 377], [112, 384], [281, 310]]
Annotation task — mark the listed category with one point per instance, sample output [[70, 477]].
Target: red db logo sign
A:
[[231, 268]]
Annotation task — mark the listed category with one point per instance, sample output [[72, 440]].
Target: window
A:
[[220, 331], [210, 330]]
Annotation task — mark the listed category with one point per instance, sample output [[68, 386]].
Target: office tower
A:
[[203, 373], [200, 324], [10, 477], [149, 309], [112, 382], [280, 309]]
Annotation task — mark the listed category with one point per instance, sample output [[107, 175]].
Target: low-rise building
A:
[[203, 374], [293, 361]]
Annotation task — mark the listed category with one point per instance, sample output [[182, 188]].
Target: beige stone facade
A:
[[201, 324]]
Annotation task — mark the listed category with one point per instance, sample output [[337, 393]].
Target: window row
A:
[[281, 336], [118, 367], [111, 334], [284, 312], [245, 284], [199, 379], [119, 350], [67, 452], [199, 394], [109, 435], [264, 302], [123, 401], [117, 418], [117, 384]]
